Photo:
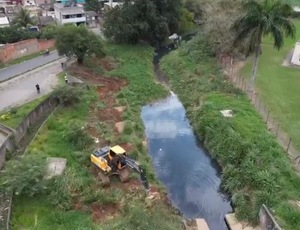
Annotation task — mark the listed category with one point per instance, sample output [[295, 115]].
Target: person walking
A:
[[37, 88]]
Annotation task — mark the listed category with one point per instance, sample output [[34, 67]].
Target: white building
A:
[[29, 3], [4, 22], [72, 14]]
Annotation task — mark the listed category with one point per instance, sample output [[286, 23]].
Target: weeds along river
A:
[[190, 175]]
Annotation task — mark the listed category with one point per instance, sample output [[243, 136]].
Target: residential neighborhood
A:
[[60, 12]]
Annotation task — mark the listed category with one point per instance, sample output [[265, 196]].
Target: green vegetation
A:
[[149, 20], [262, 18], [137, 68], [61, 78], [277, 85], [77, 41], [16, 115], [14, 180], [24, 19], [69, 202], [255, 169]]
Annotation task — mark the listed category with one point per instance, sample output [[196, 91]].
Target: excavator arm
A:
[[138, 168]]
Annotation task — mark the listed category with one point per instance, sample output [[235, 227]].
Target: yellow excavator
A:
[[114, 160]]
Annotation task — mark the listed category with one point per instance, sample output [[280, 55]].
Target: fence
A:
[[274, 126]]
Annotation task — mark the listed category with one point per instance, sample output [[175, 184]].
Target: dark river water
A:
[[191, 177]]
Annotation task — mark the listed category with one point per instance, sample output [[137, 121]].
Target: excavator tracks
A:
[[124, 174], [104, 178]]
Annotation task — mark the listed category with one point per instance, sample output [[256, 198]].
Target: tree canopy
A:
[[14, 33], [150, 20], [24, 19], [94, 5], [78, 41], [217, 18], [262, 18], [24, 175]]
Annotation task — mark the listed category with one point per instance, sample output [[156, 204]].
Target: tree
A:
[[196, 7], [171, 10], [14, 33], [24, 175], [49, 32], [132, 22], [24, 19], [217, 18], [79, 41], [261, 18], [95, 5]]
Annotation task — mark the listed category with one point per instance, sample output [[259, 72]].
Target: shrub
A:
[[68, 95], [65, 188], [76, 136], [24, 175], [13, 111]]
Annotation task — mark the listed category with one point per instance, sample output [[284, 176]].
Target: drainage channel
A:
[[190, 175]]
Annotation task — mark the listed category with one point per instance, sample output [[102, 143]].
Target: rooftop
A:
[[68, 10], [46, 20], [91, 13]]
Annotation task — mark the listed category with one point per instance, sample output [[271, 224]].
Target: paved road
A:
[[25, 66], [21, 89]]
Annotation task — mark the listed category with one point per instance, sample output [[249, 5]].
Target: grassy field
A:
[[278, 86], [256, 170], [70, 202]]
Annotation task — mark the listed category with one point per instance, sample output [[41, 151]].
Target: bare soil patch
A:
[[101, 213], [107, 88]]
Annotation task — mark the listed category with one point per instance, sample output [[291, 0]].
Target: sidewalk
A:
[[21, 89]]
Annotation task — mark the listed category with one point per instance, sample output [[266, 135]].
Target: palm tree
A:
[[23, 18], [261, 18]]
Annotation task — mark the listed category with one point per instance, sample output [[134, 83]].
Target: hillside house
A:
[[71, 14]]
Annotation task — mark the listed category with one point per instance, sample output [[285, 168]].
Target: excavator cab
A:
[[115, 157]]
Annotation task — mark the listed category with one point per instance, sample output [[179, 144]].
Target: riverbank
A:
[[256, 170], [77, 199]]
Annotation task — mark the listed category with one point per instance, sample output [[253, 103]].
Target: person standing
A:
[[37, 88]]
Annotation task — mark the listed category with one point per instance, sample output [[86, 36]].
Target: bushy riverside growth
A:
[[256, 170]]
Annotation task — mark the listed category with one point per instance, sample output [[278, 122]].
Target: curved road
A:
[[23, 67]]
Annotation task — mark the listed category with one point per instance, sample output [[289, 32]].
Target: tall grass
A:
[[256, 170]]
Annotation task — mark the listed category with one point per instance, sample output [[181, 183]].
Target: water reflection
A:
[[189, 174]]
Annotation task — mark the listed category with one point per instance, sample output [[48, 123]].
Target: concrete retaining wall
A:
[[20, 49], [35, 115], [266, 219]]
